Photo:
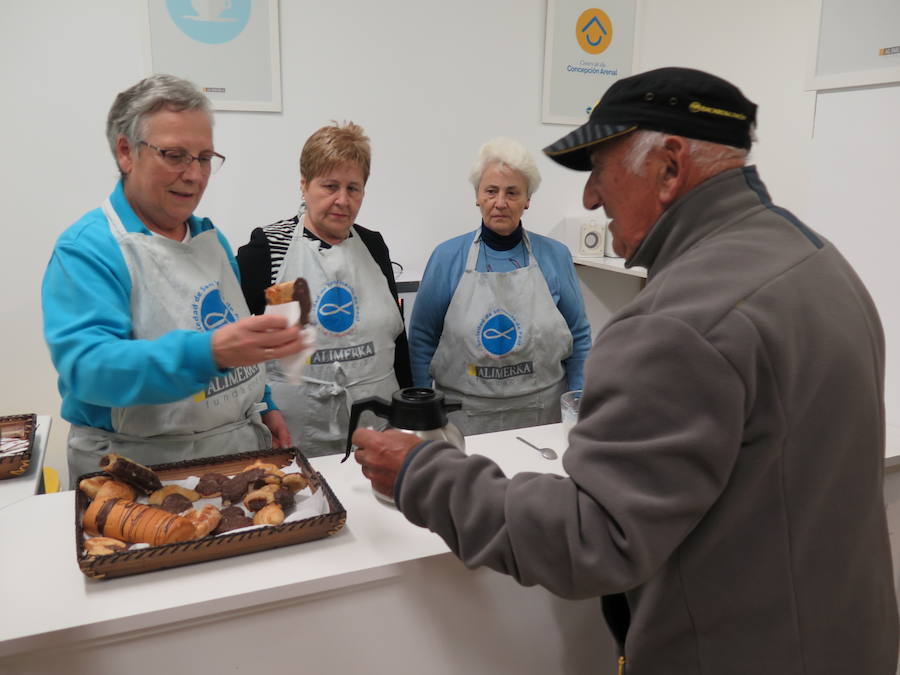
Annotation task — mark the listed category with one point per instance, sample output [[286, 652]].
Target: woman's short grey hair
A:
[[510, 153], [704, 153], [129, 111]]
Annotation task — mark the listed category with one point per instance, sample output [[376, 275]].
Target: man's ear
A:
[[673, 169], [125, 155]]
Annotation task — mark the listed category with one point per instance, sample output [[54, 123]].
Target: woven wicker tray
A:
[[15, 465], [212, 547]]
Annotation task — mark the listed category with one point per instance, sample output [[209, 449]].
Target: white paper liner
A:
[[307, 504], [293, 366], [13, 446]]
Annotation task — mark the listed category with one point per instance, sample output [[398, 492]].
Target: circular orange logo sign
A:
[[594, 31]]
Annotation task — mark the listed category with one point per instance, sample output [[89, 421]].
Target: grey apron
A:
[[190, 286], [502, 348], [357, 324]]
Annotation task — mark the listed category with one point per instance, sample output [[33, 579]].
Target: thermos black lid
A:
[[419, 409]]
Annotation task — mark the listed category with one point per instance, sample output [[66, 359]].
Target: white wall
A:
[[429, 81]]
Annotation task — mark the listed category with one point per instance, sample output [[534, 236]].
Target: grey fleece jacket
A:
[[726, 472]]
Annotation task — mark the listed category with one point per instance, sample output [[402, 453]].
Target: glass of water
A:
[[568, 405]]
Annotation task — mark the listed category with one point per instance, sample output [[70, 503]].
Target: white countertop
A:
[[40, 571], [27, 485], [609, 264], [43, 571]]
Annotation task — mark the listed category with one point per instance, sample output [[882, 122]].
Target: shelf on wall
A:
[[610, 265]]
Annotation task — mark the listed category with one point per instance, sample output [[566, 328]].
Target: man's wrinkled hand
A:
[[381, 454]]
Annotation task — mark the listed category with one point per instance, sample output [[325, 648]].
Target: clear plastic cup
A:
[[568, 406]]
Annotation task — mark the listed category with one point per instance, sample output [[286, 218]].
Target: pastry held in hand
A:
[[136, 523], [292, 291], [291, 300]]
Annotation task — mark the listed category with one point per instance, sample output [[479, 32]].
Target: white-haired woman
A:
[[499, 320]]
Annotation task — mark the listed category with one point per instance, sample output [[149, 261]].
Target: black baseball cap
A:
[[679, 101]]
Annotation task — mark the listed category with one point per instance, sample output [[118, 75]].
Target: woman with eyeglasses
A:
[[499, 321], [156, 351], [361, 348]]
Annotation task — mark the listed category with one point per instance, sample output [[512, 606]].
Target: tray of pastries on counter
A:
[[16, 442], [132, 518]]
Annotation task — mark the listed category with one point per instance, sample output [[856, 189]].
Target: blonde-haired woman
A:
[[348, 267], [499, 321]]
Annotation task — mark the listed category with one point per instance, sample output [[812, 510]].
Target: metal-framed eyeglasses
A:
[[179, 159]]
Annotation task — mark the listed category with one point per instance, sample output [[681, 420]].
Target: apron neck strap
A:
[[472, 257], [115, 223]]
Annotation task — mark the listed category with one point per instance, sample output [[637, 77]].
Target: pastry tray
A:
[[15, 464], [213, 547]]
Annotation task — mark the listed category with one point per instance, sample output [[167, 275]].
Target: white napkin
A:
[[293, 366]]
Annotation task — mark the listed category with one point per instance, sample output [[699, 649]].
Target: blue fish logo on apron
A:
[[214, 313], [336, 308], [499, 334]]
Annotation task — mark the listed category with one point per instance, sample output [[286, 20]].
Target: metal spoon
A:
[[546, 453]]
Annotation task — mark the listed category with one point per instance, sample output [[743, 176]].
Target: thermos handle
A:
[[452, 406], [377, 405]]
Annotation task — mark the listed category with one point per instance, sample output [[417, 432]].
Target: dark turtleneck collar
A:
[[501, 242]]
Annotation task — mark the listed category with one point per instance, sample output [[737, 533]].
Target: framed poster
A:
[[228, 48], [588, 46], [857, 43]]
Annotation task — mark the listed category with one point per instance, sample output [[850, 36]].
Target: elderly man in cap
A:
[[724, 489]]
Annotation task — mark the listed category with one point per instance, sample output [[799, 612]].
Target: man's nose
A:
[[591, 198]]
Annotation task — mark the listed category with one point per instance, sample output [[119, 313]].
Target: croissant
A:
[[136, 523]]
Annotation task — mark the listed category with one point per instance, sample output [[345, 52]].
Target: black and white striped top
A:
[[279, 235]]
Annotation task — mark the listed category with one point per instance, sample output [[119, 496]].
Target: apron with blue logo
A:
[[357, 324], [502, 348], [190, 286]]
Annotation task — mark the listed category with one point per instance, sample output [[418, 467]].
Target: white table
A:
[[355, 602], [379, 597], [31, 482]]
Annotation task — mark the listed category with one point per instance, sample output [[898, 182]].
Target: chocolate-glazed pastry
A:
[[129, 471], [232, 518], [236, 487], [232, 511], [159, 495], [210, 484], [175, 503], [288, 291], [301, 295], [284, 497], [257, 499], [133, 522]]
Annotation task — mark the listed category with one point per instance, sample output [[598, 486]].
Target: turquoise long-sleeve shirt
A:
[[444, 270], [86, 299]]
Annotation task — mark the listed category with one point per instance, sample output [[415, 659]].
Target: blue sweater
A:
[[86, 298], [446, 267]]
